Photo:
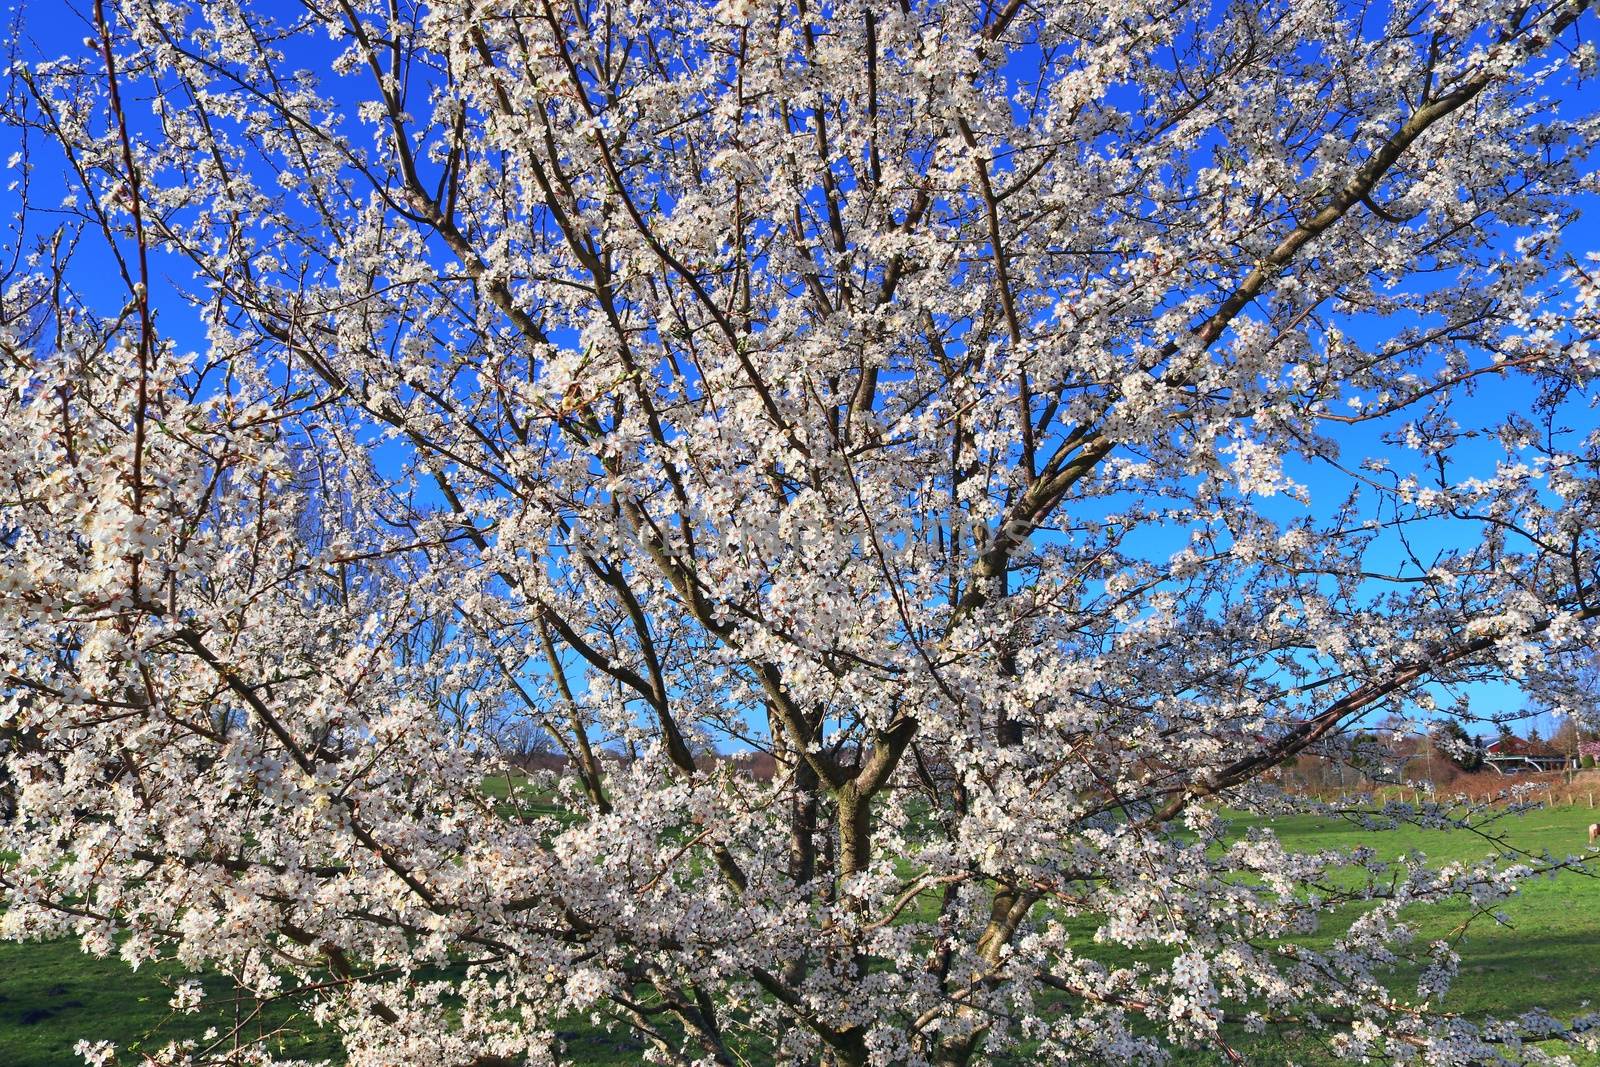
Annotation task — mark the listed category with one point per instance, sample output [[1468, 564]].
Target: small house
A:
[[1517, 755]]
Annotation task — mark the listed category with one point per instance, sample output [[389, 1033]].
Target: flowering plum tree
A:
[[1030, 423]]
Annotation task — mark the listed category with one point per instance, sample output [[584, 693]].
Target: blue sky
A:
[[60, 29]]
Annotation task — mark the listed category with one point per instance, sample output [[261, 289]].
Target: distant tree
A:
[[1567, 736]]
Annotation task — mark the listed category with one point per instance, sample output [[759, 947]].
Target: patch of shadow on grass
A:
[[1512, 974]]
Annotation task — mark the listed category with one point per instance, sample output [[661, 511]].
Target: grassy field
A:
[[1549, 956], [51, 995]]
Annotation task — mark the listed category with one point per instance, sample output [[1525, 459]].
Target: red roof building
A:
[[1515, 755]]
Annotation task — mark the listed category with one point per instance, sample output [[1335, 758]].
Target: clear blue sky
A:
[[54, 29]]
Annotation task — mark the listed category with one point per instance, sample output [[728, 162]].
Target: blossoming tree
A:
[[1030, 423]]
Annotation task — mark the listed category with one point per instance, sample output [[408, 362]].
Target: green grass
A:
[[1548, 956], [52, 995], [520, 798]]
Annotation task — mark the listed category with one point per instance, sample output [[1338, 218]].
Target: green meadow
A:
[[1547, 955]]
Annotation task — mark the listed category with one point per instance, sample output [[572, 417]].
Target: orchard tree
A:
[[1033, 424]]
